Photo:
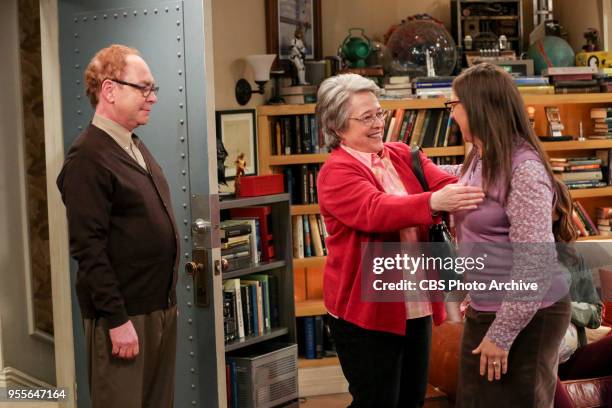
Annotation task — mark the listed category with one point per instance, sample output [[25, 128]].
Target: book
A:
[[297, 229], [233, 286], [265, 297], [315, 236], [568, 71]]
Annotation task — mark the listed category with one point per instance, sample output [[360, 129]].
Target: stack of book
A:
[[309, 234], [534, 85], [583, 222], [299, 94], [569, 80], [397, 87], [604, 78], [602, 123], [238, 247], [262, 214], [604, 221], [578, 172], [250, 306], [314, 337], [426, 87]]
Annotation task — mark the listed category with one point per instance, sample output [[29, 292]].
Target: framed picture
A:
[[237, 130], [282, 19]]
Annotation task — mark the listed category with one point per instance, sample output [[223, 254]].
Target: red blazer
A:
[[357, 210]]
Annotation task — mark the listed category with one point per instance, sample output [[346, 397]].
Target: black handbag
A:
[[437, 232]]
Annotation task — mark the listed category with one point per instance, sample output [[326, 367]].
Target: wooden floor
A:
[[343, 400], [326, 401]]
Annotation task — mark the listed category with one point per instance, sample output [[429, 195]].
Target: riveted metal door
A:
[[172, 37]]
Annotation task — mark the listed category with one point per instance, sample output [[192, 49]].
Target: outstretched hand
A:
[[456, 197]]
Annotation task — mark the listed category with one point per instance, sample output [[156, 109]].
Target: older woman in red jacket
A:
[[368, 193]]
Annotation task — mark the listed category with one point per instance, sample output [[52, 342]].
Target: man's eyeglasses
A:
[[144, 89], [450, 105], [368, 120]]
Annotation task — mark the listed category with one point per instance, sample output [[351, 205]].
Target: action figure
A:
[[297, 55]]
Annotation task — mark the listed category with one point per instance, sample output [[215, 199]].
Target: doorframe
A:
[[58, 226]]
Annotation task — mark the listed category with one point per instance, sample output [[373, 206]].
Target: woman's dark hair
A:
[[498, 118]]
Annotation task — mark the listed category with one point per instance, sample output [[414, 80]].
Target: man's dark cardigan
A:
[[122, 231]]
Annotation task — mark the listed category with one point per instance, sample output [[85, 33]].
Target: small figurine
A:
[[592, 38], [240, 170], [297, 55]]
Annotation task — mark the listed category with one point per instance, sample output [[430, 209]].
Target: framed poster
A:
[[283, 17], [237, 130]]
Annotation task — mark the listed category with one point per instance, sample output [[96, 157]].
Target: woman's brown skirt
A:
[[532, 362]]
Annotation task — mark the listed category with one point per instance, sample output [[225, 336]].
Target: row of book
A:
[[301, 183], [296, 134], [584, 172], [314, 337], [401, 87], [585, 225], [309, 234], [422, 127], [250, 306]]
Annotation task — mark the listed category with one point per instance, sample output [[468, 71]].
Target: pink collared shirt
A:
[[385, 173]]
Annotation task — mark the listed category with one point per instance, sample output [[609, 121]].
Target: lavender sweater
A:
[[525, 217]]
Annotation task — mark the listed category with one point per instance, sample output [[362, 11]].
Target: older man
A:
[[124, 238]]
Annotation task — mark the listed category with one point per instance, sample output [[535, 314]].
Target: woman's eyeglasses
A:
[[450, 105], [144, 89], [368, 120]]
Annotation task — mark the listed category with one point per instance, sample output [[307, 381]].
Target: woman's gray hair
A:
[[332, 103]]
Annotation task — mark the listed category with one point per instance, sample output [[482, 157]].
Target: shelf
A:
[[313, 307], [567, 98], [438, 103], [305, 209], [318, 362], [250, 340], [249, 201], [261, 267], [590, 192], [577, 145], [595, 237], [289, 159], [309, 262], [444, 151], [489, 17]]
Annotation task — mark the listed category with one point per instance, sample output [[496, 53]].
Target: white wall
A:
[[576, 17], [21, 351]]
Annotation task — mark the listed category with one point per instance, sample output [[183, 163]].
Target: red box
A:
[[252, 186]]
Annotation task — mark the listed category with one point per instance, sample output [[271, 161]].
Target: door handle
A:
[[197, 269]]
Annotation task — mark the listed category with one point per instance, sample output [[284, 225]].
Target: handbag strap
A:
[[417, 169]]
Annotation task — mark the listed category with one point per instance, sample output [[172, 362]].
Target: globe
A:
[[409, 43], [550, 51]]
